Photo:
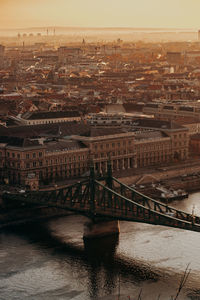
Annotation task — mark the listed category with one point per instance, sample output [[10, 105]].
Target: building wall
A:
[[50, 121], [153, 152], [160, 112], [123, 150]]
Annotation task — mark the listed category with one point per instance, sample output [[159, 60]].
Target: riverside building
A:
[[33, 161]]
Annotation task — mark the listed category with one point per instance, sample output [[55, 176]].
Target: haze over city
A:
[[99, 149], [88, 13]]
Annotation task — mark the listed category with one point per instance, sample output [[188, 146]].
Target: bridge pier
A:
[[100, 228]]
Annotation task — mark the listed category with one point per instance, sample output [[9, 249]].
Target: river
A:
[[49, 260]]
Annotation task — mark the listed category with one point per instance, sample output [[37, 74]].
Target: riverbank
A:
[[178, 176]]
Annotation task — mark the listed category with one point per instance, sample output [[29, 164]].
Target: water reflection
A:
[[96, 262], [100, 254], [49, 260]]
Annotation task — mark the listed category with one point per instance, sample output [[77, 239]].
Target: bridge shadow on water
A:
[[99, 258]]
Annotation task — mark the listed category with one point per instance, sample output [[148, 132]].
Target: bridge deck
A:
[[116, 201]]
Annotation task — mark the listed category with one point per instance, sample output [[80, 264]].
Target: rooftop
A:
[[157, 124], [50, 115], [63, 145]]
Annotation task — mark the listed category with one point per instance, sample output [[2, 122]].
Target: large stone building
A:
[[172, 111], [174, 142], [49, 159], [34, 118]]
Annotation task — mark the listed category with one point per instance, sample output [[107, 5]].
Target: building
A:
[[173, 142], [50, 159], [34, 118], [174, 58], [172, 111], [2, 50], [105, 119], [58, 159], [195, 144], [68, 54]]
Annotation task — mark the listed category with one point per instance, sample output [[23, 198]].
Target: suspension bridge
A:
[[108, 199]]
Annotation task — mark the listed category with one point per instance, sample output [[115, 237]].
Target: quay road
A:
[[160, 173]]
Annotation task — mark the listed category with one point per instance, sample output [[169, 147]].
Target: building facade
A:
[[36, 118], [172, 111], [54, 159]]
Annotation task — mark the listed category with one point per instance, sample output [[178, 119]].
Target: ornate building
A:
[[59, 158]]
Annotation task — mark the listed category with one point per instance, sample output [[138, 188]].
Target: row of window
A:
[[153, 147], [179, 144], [34, 164], [116, 153], [112, 145], [180, 135], [28, 155], [51, 121], [66, 159]]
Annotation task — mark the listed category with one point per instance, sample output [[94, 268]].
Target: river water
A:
[[49, 260]]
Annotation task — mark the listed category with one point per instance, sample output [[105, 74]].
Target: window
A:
[[40, 163], [27, 165], [18, 155], [13, 155], [40, 154], [34, 164], [34, 155], [8, 154], [27, 156]]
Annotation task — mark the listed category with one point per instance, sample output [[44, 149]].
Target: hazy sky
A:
[[120, 13]]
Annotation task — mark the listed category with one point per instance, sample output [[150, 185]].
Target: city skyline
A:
[[88, 13]]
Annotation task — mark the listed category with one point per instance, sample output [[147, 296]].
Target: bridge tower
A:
[[98, 227], [109, 180], [92, 191]]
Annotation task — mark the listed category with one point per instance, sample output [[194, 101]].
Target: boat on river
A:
[[168, 195]]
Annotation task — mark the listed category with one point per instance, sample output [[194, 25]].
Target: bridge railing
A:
[[115, 205], [157, 205]]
